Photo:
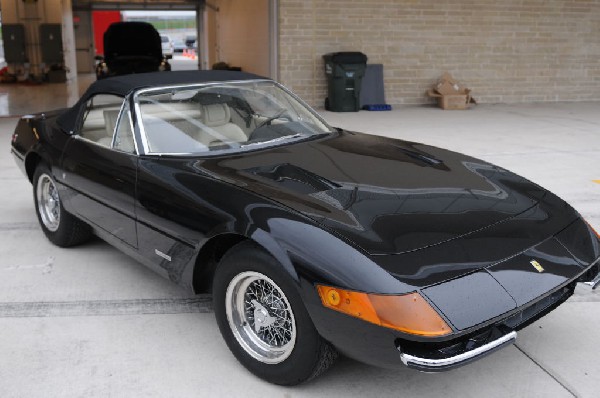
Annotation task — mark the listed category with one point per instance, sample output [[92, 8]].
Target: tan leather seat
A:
[[217, 118], [105, 141], [110, 121]]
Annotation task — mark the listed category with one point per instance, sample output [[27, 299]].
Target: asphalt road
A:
[[180, 62]]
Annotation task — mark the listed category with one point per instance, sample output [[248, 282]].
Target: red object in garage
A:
[[101, 21]]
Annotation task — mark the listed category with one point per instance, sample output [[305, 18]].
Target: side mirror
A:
[[169, 56]]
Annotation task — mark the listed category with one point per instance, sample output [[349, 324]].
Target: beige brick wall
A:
[[506, 51]]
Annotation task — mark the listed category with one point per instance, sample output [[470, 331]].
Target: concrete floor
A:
[[89, 321]]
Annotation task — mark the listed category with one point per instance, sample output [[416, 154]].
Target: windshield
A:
[[223, 117], [164, 39]]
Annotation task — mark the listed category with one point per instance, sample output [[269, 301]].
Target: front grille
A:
[[540, 308], [517, 321]]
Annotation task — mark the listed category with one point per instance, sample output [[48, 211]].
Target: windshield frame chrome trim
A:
[[231, 152]]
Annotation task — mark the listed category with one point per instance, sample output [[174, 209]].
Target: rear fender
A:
[[27, 144]]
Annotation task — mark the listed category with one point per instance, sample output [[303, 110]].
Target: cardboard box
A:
[[450, 94], [452, 101]]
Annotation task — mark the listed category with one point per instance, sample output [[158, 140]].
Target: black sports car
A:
[[131, 47], [312, 240]]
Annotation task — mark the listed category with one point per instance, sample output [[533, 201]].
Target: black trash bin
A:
[[344, 72]]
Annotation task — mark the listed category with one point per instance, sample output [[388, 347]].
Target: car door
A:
[[169, 225], [100, 167]]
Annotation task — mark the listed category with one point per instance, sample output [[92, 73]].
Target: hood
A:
[[384, 195]]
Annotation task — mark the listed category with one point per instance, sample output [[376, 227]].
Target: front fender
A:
[[318, 256], [308, 252]]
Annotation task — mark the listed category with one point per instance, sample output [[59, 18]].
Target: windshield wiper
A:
[[285, 137]]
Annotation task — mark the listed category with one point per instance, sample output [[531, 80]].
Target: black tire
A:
[[67, 229], [310, 356]]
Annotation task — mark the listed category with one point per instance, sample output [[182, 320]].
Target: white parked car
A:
[[167, 45]]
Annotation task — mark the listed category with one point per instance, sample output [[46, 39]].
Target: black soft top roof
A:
[[123, 85]]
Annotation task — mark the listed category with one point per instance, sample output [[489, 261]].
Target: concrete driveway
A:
[[89, 321]]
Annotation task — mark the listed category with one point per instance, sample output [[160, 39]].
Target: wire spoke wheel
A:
[[263, 318], [48, 202], [260, 317]]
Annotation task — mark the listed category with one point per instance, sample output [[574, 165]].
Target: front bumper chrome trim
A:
[[593, 283], [433, 365]]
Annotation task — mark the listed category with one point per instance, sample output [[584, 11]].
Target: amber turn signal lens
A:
[[408, 313]]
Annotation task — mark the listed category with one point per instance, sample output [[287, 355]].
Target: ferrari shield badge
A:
[[537, 266]]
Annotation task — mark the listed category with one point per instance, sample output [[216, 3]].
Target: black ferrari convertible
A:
[[312, 240]]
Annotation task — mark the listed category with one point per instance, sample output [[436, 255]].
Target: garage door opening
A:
[[178, 34], [239, 33]]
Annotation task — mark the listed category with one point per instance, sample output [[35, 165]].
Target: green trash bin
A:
[[344, 72]]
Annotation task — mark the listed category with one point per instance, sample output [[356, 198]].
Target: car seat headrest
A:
[[215, 115]]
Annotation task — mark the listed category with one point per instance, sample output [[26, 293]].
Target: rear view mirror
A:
[[183, 95]]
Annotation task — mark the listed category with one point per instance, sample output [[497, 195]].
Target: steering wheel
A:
[[278, 115]]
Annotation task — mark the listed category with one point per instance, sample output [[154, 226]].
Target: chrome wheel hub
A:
[[48, 202], [260, 317]]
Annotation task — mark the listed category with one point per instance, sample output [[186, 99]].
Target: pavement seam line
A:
[[199, 304], [555, 378], [19, 226]]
